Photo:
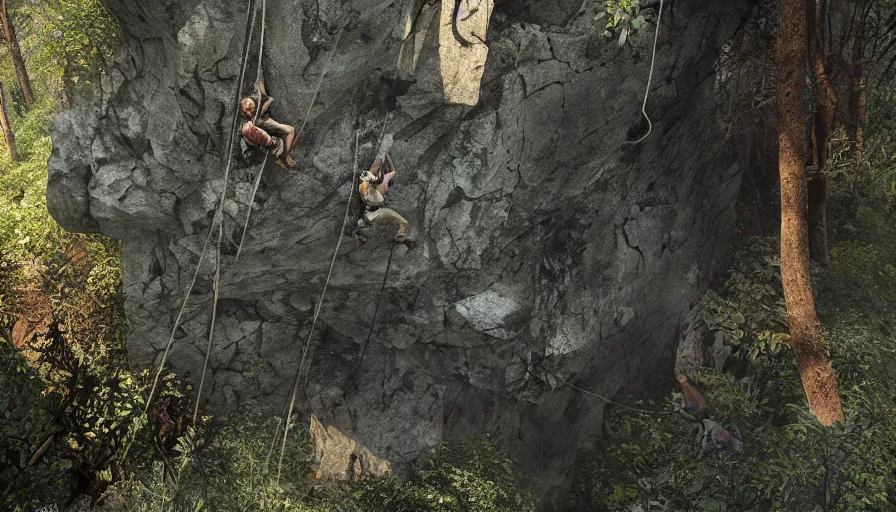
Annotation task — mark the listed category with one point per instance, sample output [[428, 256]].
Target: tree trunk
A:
[[17, 60], [822, 125], [807, 339], [8, 135], [858, 93]]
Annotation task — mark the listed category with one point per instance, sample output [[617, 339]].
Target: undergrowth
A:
[[790, 462]]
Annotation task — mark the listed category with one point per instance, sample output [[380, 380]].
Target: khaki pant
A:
[[385, 217], [273, 127]]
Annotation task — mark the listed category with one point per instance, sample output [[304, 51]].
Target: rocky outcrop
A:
[[549, 250]]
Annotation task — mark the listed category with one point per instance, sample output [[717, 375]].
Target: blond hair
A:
[[247, 106]]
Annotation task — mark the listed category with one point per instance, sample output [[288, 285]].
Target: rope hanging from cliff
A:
[[320, 302], [320, 81], [613, 402], [216, 283], [249, 205], [379, 144], [264, 19], [218, 218], [377, 308], [656, 37], [298, 133], [596, 395]]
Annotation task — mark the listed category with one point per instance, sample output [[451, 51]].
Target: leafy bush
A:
[[624, 18], [231, 468], [790, 461], [70, 402], [750, 306]]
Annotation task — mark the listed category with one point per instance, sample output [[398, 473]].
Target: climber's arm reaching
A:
[[388, 174], [266, 104]]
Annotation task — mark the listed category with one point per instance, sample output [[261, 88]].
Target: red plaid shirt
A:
[[255, 136]]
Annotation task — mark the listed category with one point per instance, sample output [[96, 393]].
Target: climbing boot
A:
[[288, 163]]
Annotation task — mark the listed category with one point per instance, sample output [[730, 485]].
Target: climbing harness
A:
[[656, 37], [320, 301], [304, 122]]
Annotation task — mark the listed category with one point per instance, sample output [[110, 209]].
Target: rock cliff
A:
[[549, 250]]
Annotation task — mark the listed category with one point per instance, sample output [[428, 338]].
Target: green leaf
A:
[[623, 36]]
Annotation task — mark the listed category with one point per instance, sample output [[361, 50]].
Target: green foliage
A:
[[624, 19], [69, 42], [862, 197], [651, 462], [465, 477], [24, 228], [790, 461], [70, 403], [750, 306], [220, 468], [860, 177], [232, 468], [882, 116]]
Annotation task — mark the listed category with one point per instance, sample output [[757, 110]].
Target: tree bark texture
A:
[[8, 135], [858, 91], [13, 42], [807, 339], [822, 125]]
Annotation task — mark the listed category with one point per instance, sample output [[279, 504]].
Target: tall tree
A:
[[858, 80], [822, 125], [13, 42], [8, 135], [807, 339]]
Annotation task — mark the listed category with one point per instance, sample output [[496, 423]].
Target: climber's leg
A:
[[287, 132], [284, 130], [389, 217]]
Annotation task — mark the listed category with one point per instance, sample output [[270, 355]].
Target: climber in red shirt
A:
[[693, 403], [262, 131]]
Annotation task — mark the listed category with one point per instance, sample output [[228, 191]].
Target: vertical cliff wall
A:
[[548, 250]]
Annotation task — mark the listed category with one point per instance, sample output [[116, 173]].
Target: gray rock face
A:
[[548, 250]]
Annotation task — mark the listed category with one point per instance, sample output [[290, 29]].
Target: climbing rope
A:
[[388, 264], [304, 122], [211, 331], [609, 401], [220, 213], [593, 394], [377, 308], [249, 205], [218, 219], [320, 301], [321, 80], [656, 37], [264, 18]]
